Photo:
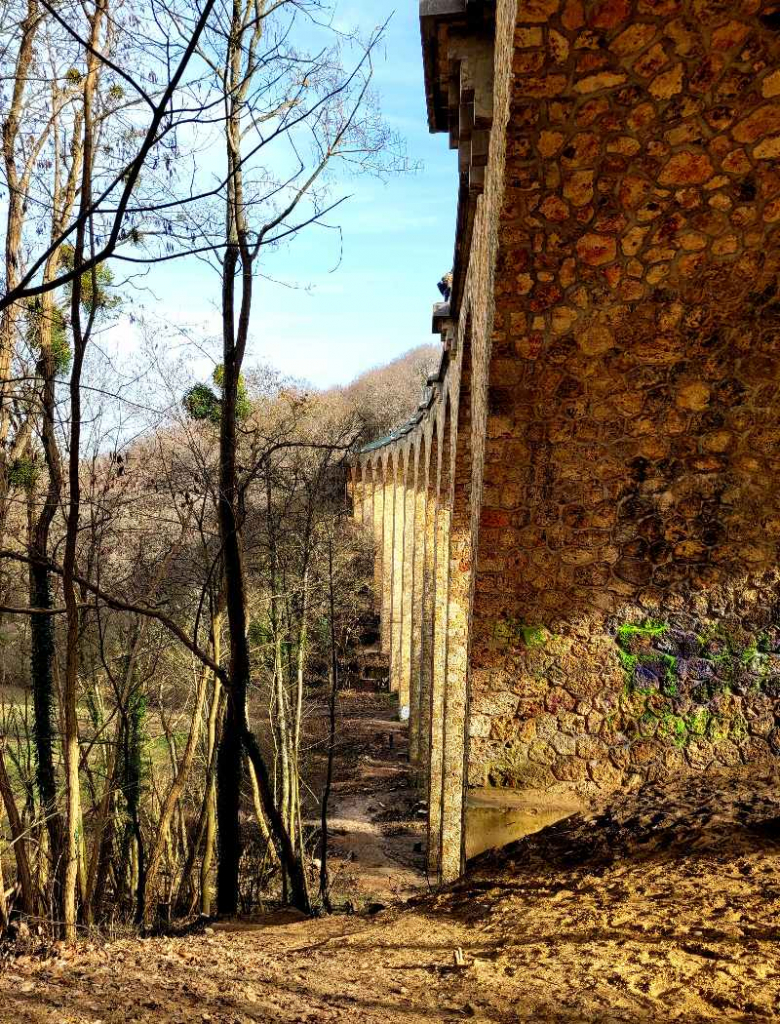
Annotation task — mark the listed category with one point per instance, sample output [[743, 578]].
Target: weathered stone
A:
[[695, 395], [541, 753], [604, 774], [700, 754], [652, 61], [563, 319], [608, 14], [564, 744], [725, 246], [538, 10], [603, 80], [736, 162], [582, 150], [686, 169], [730, 35], [668, 84], [527, 37], [544, 85], [573, 15], [596, 339], [578, 188], [558, 47], [528, 62], [570, 769], [727, 753], [769, 149], [633, 191], [591, 748], [634, 38], [596, 249], [680, 33], [626, 145], [765, 120], [643, 115], [772, 211], [770, 86], [555, 209], [479, 726]]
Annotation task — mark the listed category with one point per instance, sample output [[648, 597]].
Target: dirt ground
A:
[[376, 823], [664, 905]]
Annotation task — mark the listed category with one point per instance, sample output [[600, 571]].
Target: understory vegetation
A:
[[180, 579]]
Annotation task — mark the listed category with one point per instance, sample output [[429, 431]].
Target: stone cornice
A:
[[457, 41], [457, 44]]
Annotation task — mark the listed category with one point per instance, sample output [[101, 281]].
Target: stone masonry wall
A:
[[626, 604]]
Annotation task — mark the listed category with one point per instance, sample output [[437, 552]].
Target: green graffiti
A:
[[646, 631], [656, 696]]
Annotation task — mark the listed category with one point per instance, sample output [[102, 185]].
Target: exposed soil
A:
[[662, 906], [376, 827]]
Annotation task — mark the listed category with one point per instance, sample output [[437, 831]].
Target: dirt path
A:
[[663, 907], [375, 860], [376, 826]]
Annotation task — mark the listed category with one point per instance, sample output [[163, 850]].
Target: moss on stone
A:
[[739, 729], [509, 630]]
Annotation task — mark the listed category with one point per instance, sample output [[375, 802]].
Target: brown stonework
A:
[[388, 469], [439, 654], [378, 526], [367, 490], [421, 537], [603, 587], [399, 526], [407, 597], [428, 615], [458, 622]]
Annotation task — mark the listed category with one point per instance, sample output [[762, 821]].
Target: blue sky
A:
[[397, 242]]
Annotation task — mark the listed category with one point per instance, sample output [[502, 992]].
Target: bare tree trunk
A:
[[257, 803], [206, 831], [334, 684], [42, 627], [72, 846], [211, 782], [235, 333], [15, 205], [210, 832], [295, 742], [29, 902], [171, 800]]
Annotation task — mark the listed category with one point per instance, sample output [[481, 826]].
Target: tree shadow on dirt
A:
[[31, 1009]]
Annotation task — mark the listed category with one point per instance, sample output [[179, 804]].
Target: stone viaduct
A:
[[576, 535]]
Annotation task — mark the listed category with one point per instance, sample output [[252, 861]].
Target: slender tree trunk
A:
[[73, 840], [281, 725], [334, 685], [257, 803], [15, 211], [299, 691], [29, 902], [238, 262], [209, 847], [206, 831], [228, 802], [42, 656], [42, 628], [172, 799]]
